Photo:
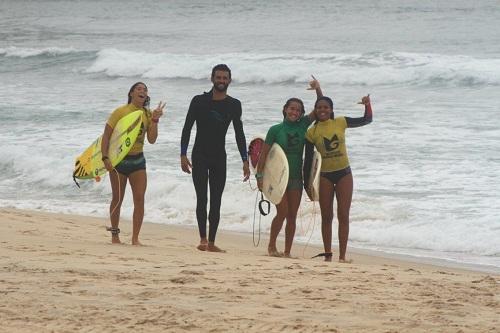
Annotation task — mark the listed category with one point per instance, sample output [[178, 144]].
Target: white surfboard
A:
[[275, 173], [314, 176]]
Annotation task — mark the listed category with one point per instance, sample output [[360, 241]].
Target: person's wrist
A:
[[104, 158], [259, 175], [155, 120]]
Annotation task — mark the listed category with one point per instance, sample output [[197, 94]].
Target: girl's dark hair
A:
[[291, 100], [146, 101], [221, 67], [328, 100]]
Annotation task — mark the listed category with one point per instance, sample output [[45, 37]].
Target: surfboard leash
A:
[[250, 184], [253, 224], [312, 231], [264, 209], [119, 192]]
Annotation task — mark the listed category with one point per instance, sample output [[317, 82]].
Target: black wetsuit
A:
[[212, 119]]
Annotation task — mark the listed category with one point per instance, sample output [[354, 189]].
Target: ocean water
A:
[[426, 171]]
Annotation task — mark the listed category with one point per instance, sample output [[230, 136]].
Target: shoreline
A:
[[61, 273], [298, 245]]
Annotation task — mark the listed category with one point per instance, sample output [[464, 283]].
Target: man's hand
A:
[[246, 171], [185, 164]]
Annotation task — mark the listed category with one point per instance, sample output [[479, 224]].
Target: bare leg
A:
[[326, 205], [294, 197], [344, 198], [138, 182], [118, 185], [276, 225]]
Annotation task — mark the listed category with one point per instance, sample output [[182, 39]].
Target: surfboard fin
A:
[[74, 179]]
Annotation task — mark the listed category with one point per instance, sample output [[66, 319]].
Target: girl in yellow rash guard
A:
[[328, 136], [133, 166]]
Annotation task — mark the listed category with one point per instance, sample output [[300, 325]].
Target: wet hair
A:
[[291, 100], [221, 67], [146, 101], [328, 100]]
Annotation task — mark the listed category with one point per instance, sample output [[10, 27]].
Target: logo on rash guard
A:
[[331, 144], [292, 139]]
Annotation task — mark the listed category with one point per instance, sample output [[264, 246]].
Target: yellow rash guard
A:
[[146, 120], [329, 138]]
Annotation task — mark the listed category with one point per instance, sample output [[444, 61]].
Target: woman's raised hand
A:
[[365, 100], [313, 84], [158, 112]]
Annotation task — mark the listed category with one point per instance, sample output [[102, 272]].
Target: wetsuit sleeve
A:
[[361, 121], [309, 148], [240, 134], [188, 125]]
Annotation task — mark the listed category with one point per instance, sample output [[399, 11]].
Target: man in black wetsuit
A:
[[212, 112]]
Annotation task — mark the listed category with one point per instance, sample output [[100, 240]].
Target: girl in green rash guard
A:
[[290, 135]]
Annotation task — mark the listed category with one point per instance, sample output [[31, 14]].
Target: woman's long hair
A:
[[146, 101]]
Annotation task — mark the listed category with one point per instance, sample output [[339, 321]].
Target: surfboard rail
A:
[[89, 164]]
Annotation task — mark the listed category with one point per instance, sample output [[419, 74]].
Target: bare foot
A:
[[213, 248], [202, 247], [344, 261], [115, 240], [137, 243], [273, 252]]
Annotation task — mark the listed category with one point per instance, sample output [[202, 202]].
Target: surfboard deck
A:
[[254, 150], [314, 176], [90, 165], [275, 172]]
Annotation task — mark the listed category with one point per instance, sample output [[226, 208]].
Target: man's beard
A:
[[221, 87]]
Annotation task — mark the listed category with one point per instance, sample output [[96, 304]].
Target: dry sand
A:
[[59, 273]]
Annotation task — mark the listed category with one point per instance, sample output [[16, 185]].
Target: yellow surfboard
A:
[[90, 165]]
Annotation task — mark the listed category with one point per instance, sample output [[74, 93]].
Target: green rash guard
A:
[[291, 138]]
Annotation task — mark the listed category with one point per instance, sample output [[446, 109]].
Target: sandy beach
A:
[[59, 273]]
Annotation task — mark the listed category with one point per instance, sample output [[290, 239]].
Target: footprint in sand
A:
[[183, 280], [189, 272]]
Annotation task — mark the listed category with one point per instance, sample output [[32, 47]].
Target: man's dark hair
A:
[[221, 67]]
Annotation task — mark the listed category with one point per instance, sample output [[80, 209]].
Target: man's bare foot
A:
[[136, 243], [212, 248], [202, 247]]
